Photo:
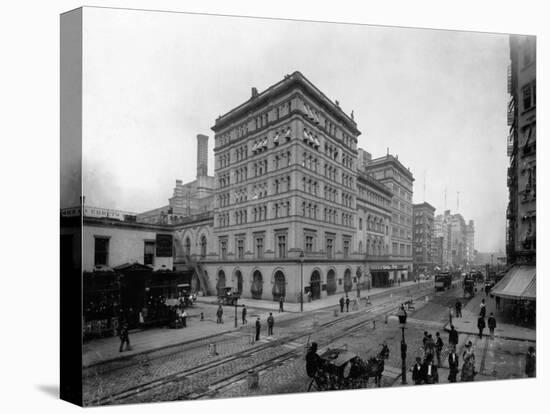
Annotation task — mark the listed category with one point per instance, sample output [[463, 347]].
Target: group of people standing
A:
[[426, 372]]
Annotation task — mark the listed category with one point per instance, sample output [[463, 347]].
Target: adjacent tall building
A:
[[399, 180], [521, 241]]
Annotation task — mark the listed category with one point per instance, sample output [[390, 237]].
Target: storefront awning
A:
[[519, 283]]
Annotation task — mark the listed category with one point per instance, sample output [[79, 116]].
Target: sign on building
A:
[[164, 245]]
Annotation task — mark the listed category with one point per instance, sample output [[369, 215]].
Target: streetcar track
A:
[[386, 307]]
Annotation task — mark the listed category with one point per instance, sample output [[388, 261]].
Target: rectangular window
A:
[[329, 248], [240, 248], [259, 247], [101, 251], [149, 253], [394, 249], [309, 244], [281, 246], [346, 247], [360, 224], [223, 249]]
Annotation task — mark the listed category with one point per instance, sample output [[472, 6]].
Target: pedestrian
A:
[[424, 339], [458, 308], [124, 337], [184, 318], [481, 325], [450, 314], [258, 327], [487, 289], [219, 314], [497, 302], [347, 303], [531, 363], [491, 324], [429, 348], [438, 348], [244, 315], [468, 367], [482, 308], [270, 323], [417, 372], [309, 296], [342, 304], [453, 337], [281, 301], [430, 371], [453, 365]]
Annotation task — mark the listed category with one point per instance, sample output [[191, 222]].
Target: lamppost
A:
[[301, 281], [236, 300], [402, 315]]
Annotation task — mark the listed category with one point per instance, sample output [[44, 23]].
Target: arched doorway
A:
[[331, 282], [257, 287], [315, 285], [239, 279], [348, 284], [220, 285], [279, 285]]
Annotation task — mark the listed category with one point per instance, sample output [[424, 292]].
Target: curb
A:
[[162, 347], [508, 337]]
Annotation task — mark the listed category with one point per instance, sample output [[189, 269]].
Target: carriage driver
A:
[[313, 360]]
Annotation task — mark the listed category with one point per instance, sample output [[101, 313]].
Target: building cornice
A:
[[289, 81]]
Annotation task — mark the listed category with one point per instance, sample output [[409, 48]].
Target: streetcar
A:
[[468, 286], [443, 281]]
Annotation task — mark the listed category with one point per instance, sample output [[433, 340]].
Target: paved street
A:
[[191, 370]]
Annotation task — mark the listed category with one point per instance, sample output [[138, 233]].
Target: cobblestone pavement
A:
[[150, 367]]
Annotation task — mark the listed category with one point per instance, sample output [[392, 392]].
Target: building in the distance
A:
[[470, 243], [423, 229], [399, 180]]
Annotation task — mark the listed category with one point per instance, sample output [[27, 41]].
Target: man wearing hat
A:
[[417, 372], [258, 328], [453, 365]]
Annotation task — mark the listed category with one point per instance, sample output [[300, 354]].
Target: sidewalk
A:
[[103, 350], [323, 303], [470, 313]]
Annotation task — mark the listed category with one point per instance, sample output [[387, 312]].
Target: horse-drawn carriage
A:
[[342, 369]]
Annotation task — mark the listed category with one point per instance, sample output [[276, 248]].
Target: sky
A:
[[152, 81]]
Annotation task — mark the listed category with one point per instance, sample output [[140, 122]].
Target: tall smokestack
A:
[[202, 155]]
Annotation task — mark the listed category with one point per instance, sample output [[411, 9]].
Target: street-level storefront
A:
[[516, 294]]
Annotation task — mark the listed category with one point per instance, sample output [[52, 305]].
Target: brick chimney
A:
[[202, 155]]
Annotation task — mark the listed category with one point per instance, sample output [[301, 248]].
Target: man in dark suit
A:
[[453, 365], [429, 371], [417, 372], [258, 328], [453, 337], [481, 325]]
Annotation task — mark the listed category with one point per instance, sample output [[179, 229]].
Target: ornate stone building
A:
[[399, 180]]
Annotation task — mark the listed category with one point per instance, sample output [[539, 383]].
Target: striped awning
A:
[[520, 282]]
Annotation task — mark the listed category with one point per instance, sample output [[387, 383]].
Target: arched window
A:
[[203, 246], [187, 246]]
